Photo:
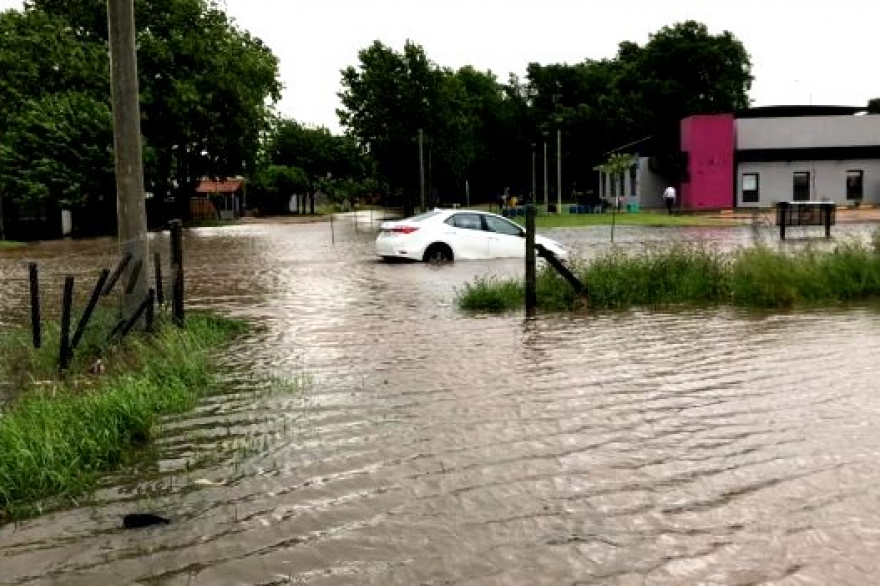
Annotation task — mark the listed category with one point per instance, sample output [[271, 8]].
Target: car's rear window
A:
[[422, 217]]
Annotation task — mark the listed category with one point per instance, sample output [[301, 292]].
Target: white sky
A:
[[802, 52]]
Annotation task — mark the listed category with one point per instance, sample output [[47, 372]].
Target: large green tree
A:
[[40, 55], [389, 98], [206, 85], [57, 153], [300, 159], [481, 130], [643, 92]]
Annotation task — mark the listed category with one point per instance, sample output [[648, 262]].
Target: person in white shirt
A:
[[669, 197]]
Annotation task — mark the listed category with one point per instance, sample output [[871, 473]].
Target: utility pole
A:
[[131, 212], [422, 167], [546, 181], [558, 170]]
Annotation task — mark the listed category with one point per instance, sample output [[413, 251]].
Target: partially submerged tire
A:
[[438, 253]]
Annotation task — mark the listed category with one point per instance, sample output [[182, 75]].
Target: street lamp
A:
[[546, 181], [534, 183], [559, 169]]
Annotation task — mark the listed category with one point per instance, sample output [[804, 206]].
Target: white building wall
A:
[[651, 186], [807, 132], [827, 180]]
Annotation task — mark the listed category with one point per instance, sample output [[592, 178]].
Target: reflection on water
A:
[[432, 448]]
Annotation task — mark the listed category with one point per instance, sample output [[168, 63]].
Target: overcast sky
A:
[[824, 52]]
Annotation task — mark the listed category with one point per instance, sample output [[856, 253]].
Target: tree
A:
[[389, 98], [273, 186], [874, 106], [685, 70], [206, 85], [40, 55], [57, 152], [644, 91]]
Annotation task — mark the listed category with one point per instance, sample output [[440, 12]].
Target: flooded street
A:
[[367, 432]]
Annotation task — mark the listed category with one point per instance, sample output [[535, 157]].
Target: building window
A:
[[855, 181], [751, 188], [801, 186]]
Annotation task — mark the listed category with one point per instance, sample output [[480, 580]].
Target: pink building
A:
[[709, 144]]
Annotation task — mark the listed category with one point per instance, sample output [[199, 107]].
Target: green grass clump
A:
[[491, 294], [5, 244], [697, 275], [55, 439]]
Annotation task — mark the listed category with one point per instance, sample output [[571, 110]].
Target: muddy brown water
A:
[[429, 447]]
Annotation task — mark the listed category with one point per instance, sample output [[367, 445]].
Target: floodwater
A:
[[430, 447]]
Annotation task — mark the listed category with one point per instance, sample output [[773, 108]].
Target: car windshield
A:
[[423, 217]]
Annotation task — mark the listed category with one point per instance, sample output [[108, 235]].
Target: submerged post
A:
[[531, 267], [828, 208], [36, 320], [782, 217], [177, 288]]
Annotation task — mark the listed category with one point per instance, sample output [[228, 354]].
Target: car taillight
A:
[[404, 229]]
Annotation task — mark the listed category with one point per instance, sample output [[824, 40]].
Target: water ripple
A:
[[427, 447]]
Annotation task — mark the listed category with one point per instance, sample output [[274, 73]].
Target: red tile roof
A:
[[228, 186]]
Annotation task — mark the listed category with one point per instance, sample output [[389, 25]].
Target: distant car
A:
[[447, 235]]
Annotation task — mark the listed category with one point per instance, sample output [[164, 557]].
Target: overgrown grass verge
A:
[[696, 275], [57, 436]]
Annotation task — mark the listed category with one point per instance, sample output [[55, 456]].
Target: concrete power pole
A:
[[131, 212]]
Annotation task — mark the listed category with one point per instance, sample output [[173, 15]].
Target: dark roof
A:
[[797, 111]]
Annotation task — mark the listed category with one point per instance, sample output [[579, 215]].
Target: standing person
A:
[[669, 197]]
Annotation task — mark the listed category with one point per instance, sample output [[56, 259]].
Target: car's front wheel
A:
[[438, 253]]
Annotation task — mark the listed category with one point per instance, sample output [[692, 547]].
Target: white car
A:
[[447, 235]]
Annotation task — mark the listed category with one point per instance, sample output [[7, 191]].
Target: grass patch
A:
[[696, 275], [8, 244], [56, 438]]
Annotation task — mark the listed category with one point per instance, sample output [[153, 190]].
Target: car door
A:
[[466, 236], [506, 239]]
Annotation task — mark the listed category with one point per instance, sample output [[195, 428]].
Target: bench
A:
[[805, 213]]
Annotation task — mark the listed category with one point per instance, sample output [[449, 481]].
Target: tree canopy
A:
[[481, 130], [207, 88]]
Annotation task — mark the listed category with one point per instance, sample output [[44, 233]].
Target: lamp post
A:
[[559, 170], [534, 182], [546, 181], [422, 168]]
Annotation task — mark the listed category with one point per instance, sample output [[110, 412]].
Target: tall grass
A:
[[687, 274], [56, 438]]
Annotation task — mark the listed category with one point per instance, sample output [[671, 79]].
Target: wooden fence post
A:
[[151, 309], [87, 314], [117, 272], [177, 288], [36, 320], [157, 267], [64, 354], [127, 326], [133, 276]]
